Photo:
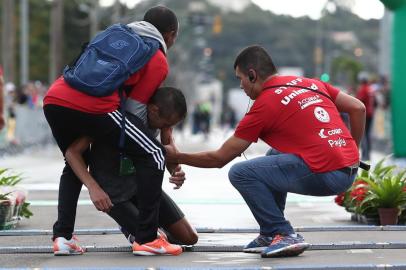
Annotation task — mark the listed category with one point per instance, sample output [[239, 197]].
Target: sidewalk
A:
[[209, 201], [226, 216]]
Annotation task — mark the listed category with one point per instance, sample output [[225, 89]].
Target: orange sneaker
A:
[[159, 246], [67, 247]]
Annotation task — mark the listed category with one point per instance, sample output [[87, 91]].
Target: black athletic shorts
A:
[[104, 167]]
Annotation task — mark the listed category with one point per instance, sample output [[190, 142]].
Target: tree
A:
[[346, 69]]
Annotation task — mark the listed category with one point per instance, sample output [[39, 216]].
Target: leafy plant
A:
[[25, 211], [380, 187], [3, 197], [387, 191], [7, 179]]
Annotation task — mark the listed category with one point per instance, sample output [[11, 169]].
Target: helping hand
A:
[[178, 177]]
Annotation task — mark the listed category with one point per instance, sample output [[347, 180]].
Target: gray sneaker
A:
[[285, 246], [258, 244]]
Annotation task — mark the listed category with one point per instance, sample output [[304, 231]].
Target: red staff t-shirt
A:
[[144, 82], [301, 122]]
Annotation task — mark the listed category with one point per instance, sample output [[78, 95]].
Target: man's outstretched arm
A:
[[231, 148]]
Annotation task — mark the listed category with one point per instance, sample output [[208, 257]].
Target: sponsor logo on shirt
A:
[[286, 99], [306, 102], [321, 115], [292, 95], [340, 142], [291, 83], [323, 134]]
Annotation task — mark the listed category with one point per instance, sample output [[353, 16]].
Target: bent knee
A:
[[235, 174], [188, 239], [192, 238]]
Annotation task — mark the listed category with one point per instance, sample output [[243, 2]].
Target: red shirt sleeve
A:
[[149, 78], [331, 91], [253, 123]]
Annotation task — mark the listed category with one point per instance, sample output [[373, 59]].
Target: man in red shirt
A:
[[72, 114], [366, 94], [313, 152]]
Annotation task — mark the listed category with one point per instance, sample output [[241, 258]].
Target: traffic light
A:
[[325, 77], [217, 25]]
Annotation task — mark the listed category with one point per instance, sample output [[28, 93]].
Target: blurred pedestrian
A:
[[228, 117], [313, 151], [11, 122], [366, 94], [196, 119], [205, 109]]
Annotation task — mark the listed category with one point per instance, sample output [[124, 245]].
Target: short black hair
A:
[[163, 18], [255, 57], [170, 101]]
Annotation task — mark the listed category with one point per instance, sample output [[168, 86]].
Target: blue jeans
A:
[[265, 181]]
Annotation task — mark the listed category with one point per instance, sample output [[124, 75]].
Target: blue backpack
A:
[[109, 60]]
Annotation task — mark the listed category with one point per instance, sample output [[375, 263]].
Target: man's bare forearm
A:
[[79, 167], [201, 160]]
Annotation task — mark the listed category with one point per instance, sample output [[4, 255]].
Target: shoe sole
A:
[[293, 250], [147, 253], [254, 250], [66, 253]]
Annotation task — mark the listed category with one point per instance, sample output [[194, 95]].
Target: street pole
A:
[[24, 42], [8, 41], [94, 18], [115, 18], [56, 39]]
